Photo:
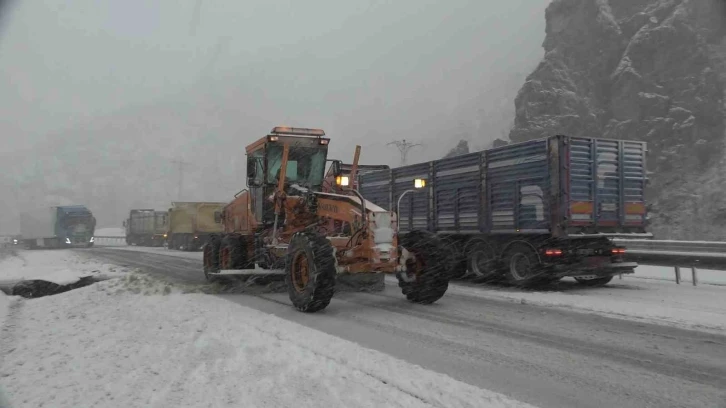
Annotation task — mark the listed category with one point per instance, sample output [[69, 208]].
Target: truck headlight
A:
[[91, 239], [68, 240]]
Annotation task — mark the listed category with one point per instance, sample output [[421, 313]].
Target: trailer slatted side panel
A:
[[415, 205], [581, 181], [634, 179], [607, 169], [457, 193], [518, 187], [607, 182], [376, 188]]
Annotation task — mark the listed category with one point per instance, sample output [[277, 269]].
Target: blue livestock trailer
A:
[[528, 212]]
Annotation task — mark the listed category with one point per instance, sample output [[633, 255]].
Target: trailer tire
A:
[[594, 282], [310, 271], [521, 262], [481, 260], [426, 278], [210, 257]]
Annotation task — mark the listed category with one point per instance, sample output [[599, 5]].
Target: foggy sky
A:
[[64, 61], [367, 72]]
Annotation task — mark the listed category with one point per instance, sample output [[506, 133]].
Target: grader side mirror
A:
[[335, 168]]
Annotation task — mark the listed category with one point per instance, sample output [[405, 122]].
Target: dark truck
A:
[[146, 227], [531, 212], [57, 227]]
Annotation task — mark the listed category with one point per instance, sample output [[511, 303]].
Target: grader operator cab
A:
[[283, 221]]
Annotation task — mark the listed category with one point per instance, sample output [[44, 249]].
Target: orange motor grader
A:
[[283, 220]]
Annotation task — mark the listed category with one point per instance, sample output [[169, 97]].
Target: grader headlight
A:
[[342, 181], [419, 183]]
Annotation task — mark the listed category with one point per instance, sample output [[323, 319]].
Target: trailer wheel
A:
[[427, 274], [481, 260], [210, 257], [593, 281], [310, 271], [522, 264]]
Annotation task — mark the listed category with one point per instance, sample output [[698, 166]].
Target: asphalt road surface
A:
[[546, 357]]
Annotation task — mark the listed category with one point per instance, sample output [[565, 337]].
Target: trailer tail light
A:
[[618, 251], [553, 252]]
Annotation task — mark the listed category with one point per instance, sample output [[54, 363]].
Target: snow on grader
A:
[[314, 234]]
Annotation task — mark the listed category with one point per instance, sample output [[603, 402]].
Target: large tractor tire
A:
[[427, 274], [233, 253], [310, 271], [210, 257]]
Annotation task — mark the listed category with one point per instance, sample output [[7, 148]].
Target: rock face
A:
[[461, 148], [651, 70]]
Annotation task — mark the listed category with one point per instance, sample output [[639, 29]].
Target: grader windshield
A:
[[307, 154]]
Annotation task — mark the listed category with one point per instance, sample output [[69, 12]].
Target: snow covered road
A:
[[135, 341], [522, 344]]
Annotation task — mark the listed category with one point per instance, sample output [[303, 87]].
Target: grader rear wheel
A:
[[427, 274], [210, 257], [310, 272]]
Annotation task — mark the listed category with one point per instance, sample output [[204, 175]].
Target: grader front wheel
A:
[[310, 272], [427, 274]]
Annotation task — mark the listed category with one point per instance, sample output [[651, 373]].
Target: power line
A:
[[403, 147], [181, 165]]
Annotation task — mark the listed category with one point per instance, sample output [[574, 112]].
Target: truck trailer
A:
[[146, 227], [191, 223], [526, 213], [57, 227]]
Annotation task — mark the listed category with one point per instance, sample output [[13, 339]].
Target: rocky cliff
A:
[[651, 70]]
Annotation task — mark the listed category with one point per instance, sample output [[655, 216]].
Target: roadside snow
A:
[[135, 342], [704, 276], [697, 308], [58, 266], [110, 232]]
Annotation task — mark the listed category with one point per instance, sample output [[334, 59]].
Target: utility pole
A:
[[181, 165], [403, 147]]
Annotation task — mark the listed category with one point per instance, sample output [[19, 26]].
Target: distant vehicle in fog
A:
[[146, 227], [57, 227], [191, 223]]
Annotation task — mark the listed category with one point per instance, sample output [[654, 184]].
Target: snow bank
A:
[[57, 266], [704, 276], [110, 232], [697, 308], [111, 345]]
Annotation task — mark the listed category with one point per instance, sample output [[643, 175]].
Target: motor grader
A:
[[282, 220]]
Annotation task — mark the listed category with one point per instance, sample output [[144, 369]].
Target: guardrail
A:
[[677, 254], [109, 241]]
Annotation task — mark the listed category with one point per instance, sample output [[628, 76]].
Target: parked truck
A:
[[146, 227], [527, 213], [191, 223], [283, 220], [57, 227]]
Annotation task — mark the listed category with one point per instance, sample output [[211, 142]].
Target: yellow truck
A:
[[191, 223]]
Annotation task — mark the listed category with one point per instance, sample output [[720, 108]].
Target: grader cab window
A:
[[305, 165]]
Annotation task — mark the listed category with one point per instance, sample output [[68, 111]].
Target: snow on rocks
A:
[[107, 345]]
